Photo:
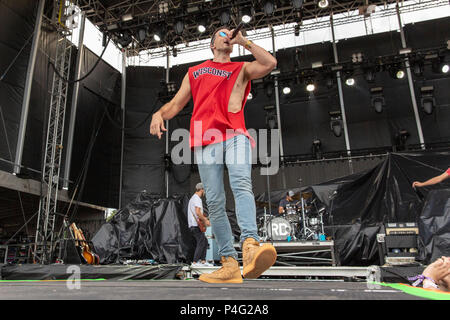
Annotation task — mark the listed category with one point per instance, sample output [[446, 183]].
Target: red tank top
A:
[[211, 85]]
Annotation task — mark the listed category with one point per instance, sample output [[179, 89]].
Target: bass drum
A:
[[279, 229]]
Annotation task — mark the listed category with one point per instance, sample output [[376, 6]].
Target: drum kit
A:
[[301, 220]]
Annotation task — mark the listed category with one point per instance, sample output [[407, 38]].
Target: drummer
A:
[[287, 201]]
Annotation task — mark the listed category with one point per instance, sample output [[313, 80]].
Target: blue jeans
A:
[[235, 153]]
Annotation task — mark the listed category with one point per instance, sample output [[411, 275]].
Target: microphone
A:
[[238, 28]]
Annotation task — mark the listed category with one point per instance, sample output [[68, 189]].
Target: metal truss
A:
[[107, 16], [53, 150], [315, 23]]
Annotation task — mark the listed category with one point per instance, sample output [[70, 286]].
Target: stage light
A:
[[377, 99], [297, 30], [202, 24], [141, 34], [163, 7], [250, 96], [400, 139], [246, 15], [445, 68], [125, 39], [417, 68], [336, 123], [201, 28], [297, 4], [316, 149], [286, 90], [225, 17], [310, 87], [157, 37], [268, 8], [179, 27], [323, 4], [268, 88], [427, 99], [400, 74], [350, 81], [127, 17], [369, 74]]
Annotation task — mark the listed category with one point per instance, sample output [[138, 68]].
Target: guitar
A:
[[86, 252]]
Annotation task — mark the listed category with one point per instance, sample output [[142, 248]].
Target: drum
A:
[[313, 222], [291, 214], [279, 229]]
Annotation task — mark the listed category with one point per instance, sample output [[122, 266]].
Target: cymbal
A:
[[262, 204]]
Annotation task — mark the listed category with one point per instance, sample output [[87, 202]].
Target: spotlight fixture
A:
[[397, 72], [127, 17], [310, 87], [323, 4], [427, 99], [297, 30], [439, 66], [377, 99], [417, 68], [350, 81], [159, 34], [297, 4], [225, 17], [268, 88], [400, 74], [125, 39], [141, 34], [286, 90], [369, 74], [201, 27], [179, 27], [400, 139], [268, 8], [357, 57], [250, 96], [246, 14], [163, 7], [271, 117], [316, 149], [336, 123]]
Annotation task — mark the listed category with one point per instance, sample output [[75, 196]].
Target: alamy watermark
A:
[[73, 281], [267, 148]]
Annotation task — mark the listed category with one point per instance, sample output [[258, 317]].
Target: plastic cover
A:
[[147, 228], [359, 205]]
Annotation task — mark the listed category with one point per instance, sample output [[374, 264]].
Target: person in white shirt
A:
[[195, 212]]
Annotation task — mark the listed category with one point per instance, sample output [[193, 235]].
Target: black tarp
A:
[[365, 201], [63, 272], [147, 228]]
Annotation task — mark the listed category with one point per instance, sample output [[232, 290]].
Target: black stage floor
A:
[[196, 290]]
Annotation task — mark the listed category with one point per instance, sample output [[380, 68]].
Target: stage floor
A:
[[263, 289]]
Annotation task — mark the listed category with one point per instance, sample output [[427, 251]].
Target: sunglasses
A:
[[222, 34]]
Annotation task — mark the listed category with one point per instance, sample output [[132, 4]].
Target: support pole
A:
[[410, 82], [73, 111], [277, 105], [122, 106], [341, 96], [27, 89], [166, 172]]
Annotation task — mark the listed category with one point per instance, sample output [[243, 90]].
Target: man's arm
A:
[[200, 215], [264, 61], [432, 181], [171, 109]]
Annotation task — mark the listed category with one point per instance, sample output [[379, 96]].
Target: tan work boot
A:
[[229, 273], [257, 259]]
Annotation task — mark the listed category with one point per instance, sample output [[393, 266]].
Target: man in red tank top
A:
[[219, 89]]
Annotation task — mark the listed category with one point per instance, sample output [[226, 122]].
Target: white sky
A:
[[378, 23]]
